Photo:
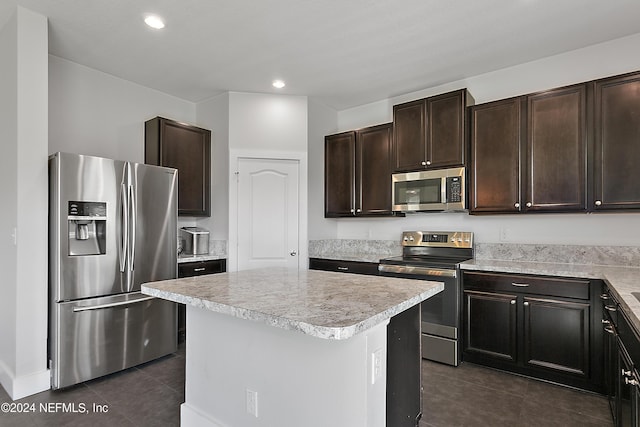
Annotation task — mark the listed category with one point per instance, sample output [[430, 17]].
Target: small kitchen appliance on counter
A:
[[435, 255], [195, 240]]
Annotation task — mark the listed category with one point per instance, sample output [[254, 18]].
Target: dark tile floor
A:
[[469, 395], [147, 395]]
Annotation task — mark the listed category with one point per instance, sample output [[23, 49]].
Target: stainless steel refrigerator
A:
[[112, 227]]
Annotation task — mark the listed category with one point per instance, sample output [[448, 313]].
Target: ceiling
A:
[[342, 52]]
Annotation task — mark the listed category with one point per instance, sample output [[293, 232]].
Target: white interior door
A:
[[268, 213]]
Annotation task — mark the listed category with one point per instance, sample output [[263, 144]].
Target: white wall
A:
[[94, 113], [322, 121], [23, 111], [214, 114], [621, 229]]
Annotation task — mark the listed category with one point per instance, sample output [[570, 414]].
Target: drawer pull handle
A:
[[609, 330], [343, 268], [610, 307], [520, 285], [604, 296], [606, 322], [630, 381], [199, 269]]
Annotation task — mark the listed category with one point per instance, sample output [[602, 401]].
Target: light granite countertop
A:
[[182, 258], [621, 280], [323, 304]]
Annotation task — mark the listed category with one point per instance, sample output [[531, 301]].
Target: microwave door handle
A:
[[443, 190]]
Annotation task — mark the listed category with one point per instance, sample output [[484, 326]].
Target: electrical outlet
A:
[[252, 402], [376, 365], [504, 234]]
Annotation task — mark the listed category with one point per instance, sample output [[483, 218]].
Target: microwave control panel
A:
[[454, 189]]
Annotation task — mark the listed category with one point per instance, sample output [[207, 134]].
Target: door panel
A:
[[154, 243], [88, 179], [267, 213], [109, 334], [373, 176], [339, 174], [490, 325], [569, 322], [556, 149]]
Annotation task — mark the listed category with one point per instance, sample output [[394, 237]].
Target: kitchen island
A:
[[288, 347]]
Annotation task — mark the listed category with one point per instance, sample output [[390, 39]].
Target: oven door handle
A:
[[419, 271]]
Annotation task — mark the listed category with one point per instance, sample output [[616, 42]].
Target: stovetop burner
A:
[[439, 249]]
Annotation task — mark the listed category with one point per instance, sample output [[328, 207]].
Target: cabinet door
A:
[[409, 135], [556, 150], [339, 174], [188, 149], [496, 130], [445, 129], [373, 170], [556, 335], [490, 325], [617, 143]]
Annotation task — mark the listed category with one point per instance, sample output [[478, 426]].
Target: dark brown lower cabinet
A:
[[543, 327], [196, 268]]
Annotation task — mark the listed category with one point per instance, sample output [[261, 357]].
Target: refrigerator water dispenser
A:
[[87, 226]]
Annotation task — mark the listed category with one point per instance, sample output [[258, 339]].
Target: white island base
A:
[[299, 379]]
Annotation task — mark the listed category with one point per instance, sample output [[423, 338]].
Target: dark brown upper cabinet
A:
[[188, 149], [528, 154], [430, 133], [358, 172], [557, 130], [616, 160], [497, 133]]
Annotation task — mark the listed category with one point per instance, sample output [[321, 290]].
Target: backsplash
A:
[[354, 249], [574, 254], [373, 250]]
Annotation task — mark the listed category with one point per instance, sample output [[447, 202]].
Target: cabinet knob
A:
[[516, 205], [529, 204], [625, 373], [526, 304], [630, 381], [513, 302], [359, 210], [598, 202], [608, 329], [353, 211], [428, 162], [424, 163]]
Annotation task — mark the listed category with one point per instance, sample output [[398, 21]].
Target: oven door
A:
[[440, 313]]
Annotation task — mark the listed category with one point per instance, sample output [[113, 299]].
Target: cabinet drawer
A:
[[198, 268], [356, 267], [537, 285]]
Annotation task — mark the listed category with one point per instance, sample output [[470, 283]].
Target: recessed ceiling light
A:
[[154, 21], [278, 84]]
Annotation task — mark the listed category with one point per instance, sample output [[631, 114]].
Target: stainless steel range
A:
[[435, 255]]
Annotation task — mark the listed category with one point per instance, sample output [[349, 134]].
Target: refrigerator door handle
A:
[[124, 236], [132, 223], [113, 304]]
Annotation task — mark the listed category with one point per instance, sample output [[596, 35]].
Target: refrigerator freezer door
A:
[[76, 178], [98, 336], [153, 227]]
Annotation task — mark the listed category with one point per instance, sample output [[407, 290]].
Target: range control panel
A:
[[448, 239]]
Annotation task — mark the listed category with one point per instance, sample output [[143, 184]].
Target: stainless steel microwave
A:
[[434, 190]]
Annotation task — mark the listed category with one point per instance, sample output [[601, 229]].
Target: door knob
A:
[[293, 253]]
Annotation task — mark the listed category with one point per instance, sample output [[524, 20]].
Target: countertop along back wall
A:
[[619, 229]]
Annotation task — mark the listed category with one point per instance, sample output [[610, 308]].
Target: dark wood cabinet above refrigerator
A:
[[188, 149]]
